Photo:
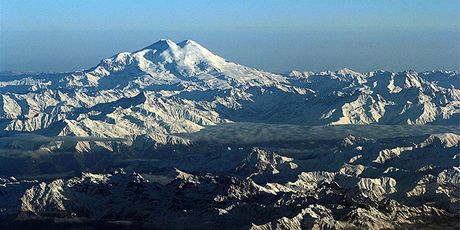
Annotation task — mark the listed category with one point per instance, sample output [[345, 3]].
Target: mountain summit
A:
[[162, 44], [166, 62]]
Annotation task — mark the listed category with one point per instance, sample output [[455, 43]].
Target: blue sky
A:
[[66, 35]]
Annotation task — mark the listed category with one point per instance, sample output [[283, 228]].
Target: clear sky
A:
[[275, 35]]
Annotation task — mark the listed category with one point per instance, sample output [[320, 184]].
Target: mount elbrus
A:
[[175, 136]]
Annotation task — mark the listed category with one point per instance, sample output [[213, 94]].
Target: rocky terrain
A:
[[173, 136], [333, 184]]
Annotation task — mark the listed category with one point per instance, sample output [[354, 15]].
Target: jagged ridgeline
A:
[[169, 88], [173, 135]]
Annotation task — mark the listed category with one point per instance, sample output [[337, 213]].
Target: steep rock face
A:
[[263, 163], [313, 217]]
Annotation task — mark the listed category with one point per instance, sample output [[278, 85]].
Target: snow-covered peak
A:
[[346, 71], [162, 44], [189, 43], [164, 55], [170, 50], [167, 62]]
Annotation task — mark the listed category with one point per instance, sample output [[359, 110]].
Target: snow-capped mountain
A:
[[168, 88], [186, 64]]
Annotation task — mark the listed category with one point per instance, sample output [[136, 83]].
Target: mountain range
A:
[[169, 88], [174, 136]]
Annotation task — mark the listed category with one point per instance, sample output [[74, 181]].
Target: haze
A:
[[271, 35]]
